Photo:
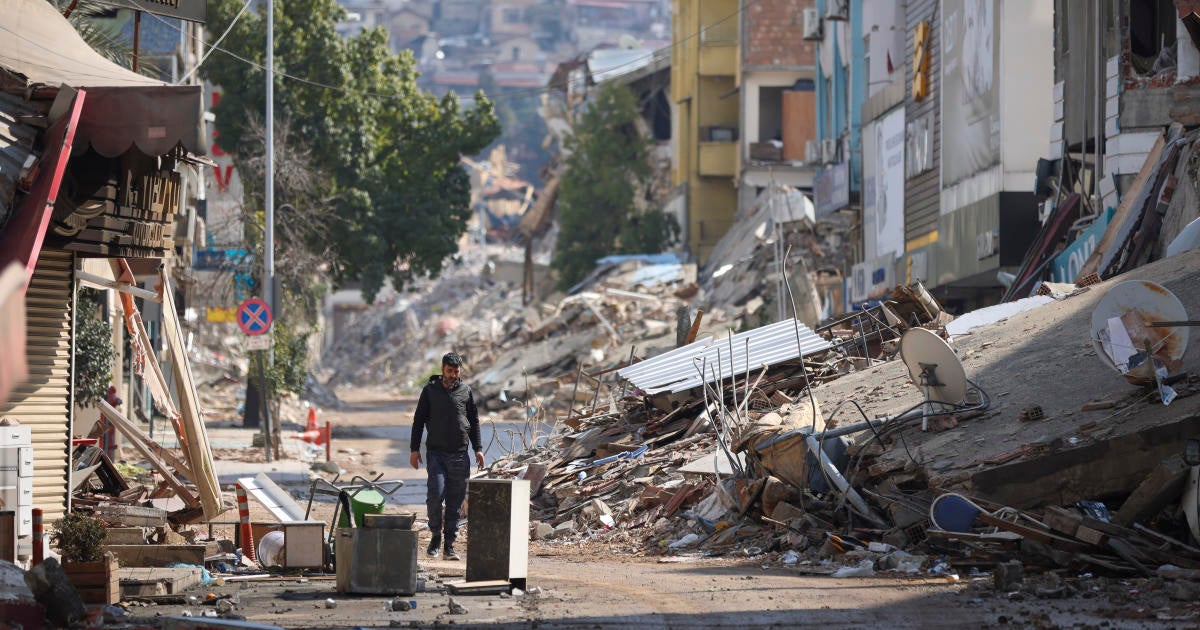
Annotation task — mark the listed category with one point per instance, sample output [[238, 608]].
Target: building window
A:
[[1151, 30], [510, 16], [770, 113]]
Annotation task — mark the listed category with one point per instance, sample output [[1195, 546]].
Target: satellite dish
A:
[[1122, 329], [933, 367]]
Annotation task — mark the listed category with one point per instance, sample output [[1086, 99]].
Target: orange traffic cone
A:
[[316, 436], [311, 425]]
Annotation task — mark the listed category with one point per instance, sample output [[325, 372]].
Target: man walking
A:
[[447, 409]]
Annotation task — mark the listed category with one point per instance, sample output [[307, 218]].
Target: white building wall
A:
[[1026, 87]]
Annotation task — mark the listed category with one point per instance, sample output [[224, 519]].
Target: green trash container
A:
[[361, 504]]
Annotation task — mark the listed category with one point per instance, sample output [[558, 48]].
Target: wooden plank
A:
[[141, 442], [1162, 486], [1125, 211], [1062, 520], [1033, 533], [199, 455], [125, 536], [133, 515], [157, 555]]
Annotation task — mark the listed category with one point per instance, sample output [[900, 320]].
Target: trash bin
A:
[[361, 504]]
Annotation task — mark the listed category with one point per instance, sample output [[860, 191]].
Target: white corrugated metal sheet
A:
[[679, 369], [43, 400]]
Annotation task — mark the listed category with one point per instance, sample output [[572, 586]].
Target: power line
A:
[[214, 44]]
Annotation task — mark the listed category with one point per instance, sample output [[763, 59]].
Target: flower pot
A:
[[97, 582]]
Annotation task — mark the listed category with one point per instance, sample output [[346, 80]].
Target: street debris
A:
[[701, 445]]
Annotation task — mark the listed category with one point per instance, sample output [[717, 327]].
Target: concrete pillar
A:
[[1189, 56]]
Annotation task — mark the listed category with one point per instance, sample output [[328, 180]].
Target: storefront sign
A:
[[1068, 263], [190, 10], [220, 314]]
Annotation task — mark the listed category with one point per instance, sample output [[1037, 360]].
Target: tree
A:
[[607, 168], [94, 351], [390, 152]]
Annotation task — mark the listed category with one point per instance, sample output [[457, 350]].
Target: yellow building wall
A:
[[712, 202], [719, 104], [704, 68]]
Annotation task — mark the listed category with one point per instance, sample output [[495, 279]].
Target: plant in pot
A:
[[93, 572]]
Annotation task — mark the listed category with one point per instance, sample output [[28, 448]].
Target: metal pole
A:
[[264, 405], [269, 190], [269, 229], [1083, 110], [1101, 90], [137, 36]]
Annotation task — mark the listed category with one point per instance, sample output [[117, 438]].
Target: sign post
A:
[[254, 318]]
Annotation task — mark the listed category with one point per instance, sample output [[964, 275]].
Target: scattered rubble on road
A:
[[682, 464]]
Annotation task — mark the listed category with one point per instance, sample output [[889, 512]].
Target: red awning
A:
[[152, 118], [124, 109], [22, 238]]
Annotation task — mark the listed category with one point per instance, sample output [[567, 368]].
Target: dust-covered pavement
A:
[[594, 584], [590, 591]]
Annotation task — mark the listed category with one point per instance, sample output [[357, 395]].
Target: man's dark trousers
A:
[[448, 473]]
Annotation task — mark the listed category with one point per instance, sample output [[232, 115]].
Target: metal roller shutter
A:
[[43, 402]]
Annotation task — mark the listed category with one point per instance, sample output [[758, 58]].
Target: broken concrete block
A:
[[1008, 576], [785, 512], [1163, 485], [542, 531], [774, 492], [565, 528], [1183, 590], [52, 589]]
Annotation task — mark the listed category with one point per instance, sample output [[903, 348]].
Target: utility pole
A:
[[268, 288]]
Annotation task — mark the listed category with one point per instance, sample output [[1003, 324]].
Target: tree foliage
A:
[[607, 169], [389, 151], [94, 351]]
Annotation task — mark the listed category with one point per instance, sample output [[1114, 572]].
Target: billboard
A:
[[883, 186], [970, 88]]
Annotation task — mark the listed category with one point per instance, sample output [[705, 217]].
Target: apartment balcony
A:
[[718, 159], [718, 60], [718, 49]]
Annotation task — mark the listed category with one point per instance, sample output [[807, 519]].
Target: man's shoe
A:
[[450, 554], [432, 550]]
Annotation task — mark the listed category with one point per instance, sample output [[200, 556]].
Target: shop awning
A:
[[124, 109], [22, 238]]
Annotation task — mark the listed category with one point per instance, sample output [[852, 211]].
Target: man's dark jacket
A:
[[449, 414]]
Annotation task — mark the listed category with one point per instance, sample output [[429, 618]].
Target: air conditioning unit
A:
[[829, 151], [837, 10], [812, 24]]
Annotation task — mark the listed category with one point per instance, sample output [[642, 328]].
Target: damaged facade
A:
[[92, 202]]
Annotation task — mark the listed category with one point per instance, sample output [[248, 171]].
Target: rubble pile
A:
[[530, 353], [778, 258], [717, 462], [759, 458]]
